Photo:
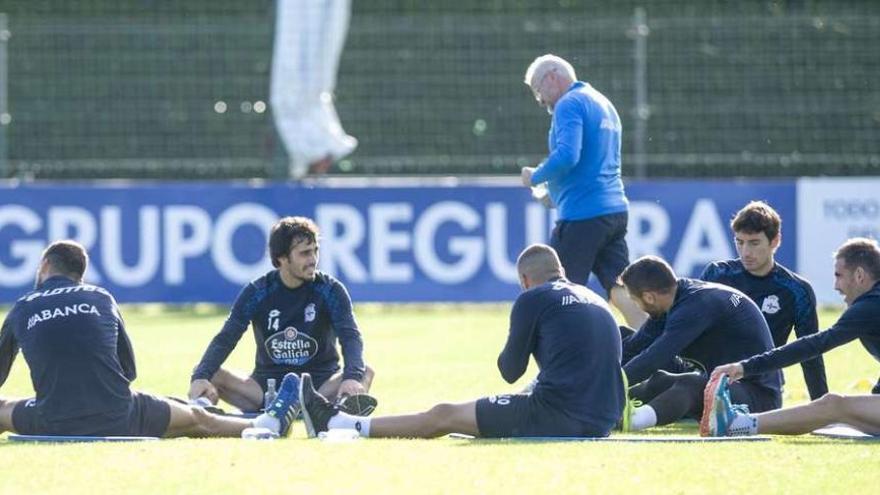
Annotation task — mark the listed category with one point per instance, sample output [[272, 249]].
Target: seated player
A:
[[857, 277], [702, 323], [786, 300], [573, 337], [297, 313], [81, 362]]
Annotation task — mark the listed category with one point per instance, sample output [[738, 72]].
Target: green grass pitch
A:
[[423, 355]]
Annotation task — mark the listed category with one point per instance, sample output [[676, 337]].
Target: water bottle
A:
[[269, 396], [256, 433]]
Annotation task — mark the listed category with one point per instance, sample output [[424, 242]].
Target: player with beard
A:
[[702, 322], [296, 313]]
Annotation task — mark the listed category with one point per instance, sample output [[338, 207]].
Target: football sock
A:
[[643, 417], [742, 425], [347, 421], [268, 422]]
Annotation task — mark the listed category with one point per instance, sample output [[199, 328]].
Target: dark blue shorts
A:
[[521, 415], [318, 377], [147, 416], [596, 245]]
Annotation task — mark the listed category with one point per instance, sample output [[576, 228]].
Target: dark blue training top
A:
[[575, 341], [295, 329], [861, 320], [786, 300], [709, 324], [74, 342]]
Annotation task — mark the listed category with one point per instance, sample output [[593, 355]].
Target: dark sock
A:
[[683, 399]]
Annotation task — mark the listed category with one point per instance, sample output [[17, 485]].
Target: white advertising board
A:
[[830, 211]]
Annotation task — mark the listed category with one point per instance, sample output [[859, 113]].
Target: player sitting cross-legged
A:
[[574, 339], [82, 364]]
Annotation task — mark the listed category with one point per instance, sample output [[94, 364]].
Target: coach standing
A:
[[582, 174]]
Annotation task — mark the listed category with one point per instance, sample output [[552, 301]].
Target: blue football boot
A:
[[285, 407]]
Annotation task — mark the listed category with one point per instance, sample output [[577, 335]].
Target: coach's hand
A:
[[734, 371], [351, 387], [526, 175], [203, 388]]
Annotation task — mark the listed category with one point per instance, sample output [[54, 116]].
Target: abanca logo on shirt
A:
[[291, 347], [48, 314]]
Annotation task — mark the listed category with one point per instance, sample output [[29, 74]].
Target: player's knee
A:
[[204, 421], [831, 401], [663, 378], [221, 378], [692, 384], [441, 416]]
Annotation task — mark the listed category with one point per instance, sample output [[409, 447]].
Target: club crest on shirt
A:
[[770, 304], [291, 347], [310, 313]]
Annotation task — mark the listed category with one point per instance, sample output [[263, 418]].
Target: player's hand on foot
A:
[[734, 371], [203, 388], [351, 387]]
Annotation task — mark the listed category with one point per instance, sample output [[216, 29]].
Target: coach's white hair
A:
[[545, 64]]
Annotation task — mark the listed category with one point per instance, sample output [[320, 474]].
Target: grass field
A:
[[423, 355]]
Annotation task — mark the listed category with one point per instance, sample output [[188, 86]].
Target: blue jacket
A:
[[583, 170]]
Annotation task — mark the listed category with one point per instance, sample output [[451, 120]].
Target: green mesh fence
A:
[[149, 90]]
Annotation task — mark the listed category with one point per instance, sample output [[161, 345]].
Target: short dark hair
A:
[[68, 258], [539, 261], [861, 252], [648, 273], [757, 217], [288, 232]]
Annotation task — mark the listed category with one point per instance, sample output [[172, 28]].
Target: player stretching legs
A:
[[723, 418], [857, 277], [579, 391], [693, 321], [74, 341]]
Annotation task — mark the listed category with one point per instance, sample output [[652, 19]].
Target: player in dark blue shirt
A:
[[857, 277], [82, 364], [296, 313], [786, 300], [701, 322], [573, 337]]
